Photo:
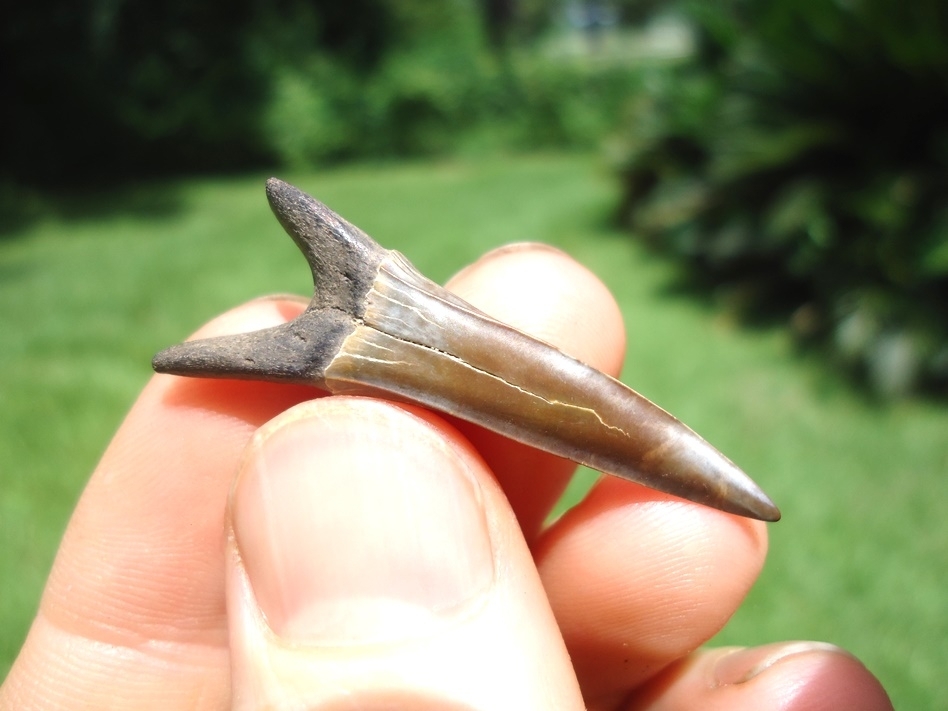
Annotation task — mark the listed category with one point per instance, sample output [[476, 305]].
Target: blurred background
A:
[[762, 183]]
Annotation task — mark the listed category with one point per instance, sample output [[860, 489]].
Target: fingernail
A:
[[358, 522], [740, 665]]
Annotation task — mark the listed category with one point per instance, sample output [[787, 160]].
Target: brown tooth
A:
[[376, 325]]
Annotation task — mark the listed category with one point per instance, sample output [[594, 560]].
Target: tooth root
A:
[[294, 352]]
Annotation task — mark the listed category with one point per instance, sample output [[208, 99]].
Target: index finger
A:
[[133, 612]]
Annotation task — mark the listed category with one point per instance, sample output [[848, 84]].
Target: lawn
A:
[[90, 291]]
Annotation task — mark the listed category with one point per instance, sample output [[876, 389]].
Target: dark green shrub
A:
[[419, 95], [99, 90], [801, 160], [104, 91]]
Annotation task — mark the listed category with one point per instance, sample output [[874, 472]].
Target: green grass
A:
[[90, 291]]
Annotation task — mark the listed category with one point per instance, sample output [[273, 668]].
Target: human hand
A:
[[376, 556]]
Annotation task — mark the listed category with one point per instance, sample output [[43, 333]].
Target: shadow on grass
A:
[[21, 207]]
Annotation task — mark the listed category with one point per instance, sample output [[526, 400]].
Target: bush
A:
[[105, 91], [305, 117], [800, 160], [446, 93]]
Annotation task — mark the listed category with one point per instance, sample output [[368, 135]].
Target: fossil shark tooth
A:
[[376, 326]]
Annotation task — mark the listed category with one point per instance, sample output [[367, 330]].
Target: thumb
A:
[[374, 562]]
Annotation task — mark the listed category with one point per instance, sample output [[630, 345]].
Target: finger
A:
[[550, 296], [789, 676], [647, 594], [375, 563], [133, 613], [638, 580]]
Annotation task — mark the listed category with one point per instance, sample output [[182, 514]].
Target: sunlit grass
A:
[[89, 293]]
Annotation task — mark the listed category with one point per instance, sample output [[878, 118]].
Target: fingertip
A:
[[661, 577], [791, 676]]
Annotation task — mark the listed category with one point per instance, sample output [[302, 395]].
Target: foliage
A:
[[101, 85], [437, 90], [106, 90], [104, 86], [802, 159]]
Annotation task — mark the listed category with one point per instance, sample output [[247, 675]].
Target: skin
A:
[[244, 545]]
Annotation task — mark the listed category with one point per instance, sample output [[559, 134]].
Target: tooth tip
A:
[[769, 512], [761, 508], [695, 470], [748, 499]]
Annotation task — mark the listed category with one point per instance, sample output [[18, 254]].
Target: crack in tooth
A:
[[380, 347], [407, 306], [555, 403], [383, 361]]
